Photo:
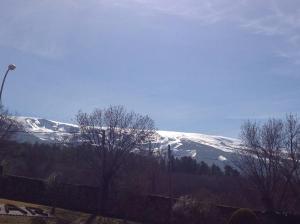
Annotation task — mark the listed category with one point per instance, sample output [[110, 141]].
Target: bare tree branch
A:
[[113, 133]]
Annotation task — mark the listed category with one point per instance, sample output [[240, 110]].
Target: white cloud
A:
[[44, 27], [270, 17], [285, 25]]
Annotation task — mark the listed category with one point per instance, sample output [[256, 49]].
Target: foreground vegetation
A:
[[128, 183], [62, 216]]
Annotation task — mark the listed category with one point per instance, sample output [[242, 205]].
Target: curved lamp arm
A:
[[10, 67]]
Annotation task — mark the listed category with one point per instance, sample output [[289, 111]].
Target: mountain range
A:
[[209, 148]]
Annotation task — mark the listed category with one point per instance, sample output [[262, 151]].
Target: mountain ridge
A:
[[209, 148]]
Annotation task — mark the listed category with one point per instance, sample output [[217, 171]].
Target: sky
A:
[[194, 66]]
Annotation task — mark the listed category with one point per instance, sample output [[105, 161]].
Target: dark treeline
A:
[[142, 173], [42, 160], [191, 166], [107, 159]]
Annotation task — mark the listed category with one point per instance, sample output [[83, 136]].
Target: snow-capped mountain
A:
[[211, 149]]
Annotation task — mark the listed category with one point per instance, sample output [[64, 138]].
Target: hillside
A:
[[208, 148]]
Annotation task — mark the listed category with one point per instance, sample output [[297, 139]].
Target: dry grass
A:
[[62, 216]]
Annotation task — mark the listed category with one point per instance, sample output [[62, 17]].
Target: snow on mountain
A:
[[44, 131], [209, 148]]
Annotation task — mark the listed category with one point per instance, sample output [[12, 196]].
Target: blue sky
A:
[[194, 66]]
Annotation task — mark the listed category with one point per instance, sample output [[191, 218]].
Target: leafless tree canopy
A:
[[113, 133], [124, 131], [8, 125], [270, 158]]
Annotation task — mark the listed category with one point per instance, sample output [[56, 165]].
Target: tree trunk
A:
[[104, 197]]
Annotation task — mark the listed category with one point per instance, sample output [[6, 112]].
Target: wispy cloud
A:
[[50, 22], [278, 20], [269, 18], [207, 12], [35, 27]]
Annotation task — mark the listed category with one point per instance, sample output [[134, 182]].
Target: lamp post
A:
[[10, 67]]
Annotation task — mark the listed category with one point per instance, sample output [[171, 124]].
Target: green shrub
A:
[[243, 216]]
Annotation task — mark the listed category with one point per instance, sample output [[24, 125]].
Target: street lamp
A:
[[10, 67]]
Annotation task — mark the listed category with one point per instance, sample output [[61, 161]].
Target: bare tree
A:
[[8, 125], [270, 158], [291, 164], [8, 128], [112, 133], [260, 158], [53, 186]]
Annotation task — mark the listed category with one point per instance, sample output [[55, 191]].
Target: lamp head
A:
[[12, 67]]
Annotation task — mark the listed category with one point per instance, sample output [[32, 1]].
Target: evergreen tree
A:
[[216, 171], [203, 168]]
